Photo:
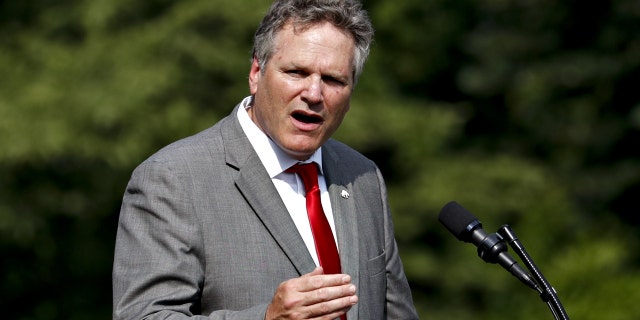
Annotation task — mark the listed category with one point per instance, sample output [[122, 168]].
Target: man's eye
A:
[[295, 72], [333, 80]]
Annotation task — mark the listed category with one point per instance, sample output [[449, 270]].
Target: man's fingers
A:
[[319, 288], [330, 293], [313, 295], [317, 271], [316, 279], [331, 309]]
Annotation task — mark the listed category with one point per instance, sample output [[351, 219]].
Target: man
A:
[[215, 225]]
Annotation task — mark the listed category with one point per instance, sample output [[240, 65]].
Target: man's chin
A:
[[300, 152]]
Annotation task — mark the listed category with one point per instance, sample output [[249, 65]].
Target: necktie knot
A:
[[308, 172]]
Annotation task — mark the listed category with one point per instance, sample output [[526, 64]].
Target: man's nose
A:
[[312, 93]]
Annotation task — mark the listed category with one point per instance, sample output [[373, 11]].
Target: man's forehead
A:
[[298, 27]]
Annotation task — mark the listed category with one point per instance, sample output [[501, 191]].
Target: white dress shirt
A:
[[289, 185]]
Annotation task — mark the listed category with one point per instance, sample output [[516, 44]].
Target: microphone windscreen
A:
[[456, 219]]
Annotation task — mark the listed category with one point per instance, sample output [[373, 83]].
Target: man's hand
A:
[[313, 296]]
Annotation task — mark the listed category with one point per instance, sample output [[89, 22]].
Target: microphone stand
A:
[[547, 293]]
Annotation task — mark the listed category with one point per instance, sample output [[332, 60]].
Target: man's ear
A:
[[255, 74]]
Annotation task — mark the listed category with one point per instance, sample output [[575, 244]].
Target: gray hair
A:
[[347, 15]]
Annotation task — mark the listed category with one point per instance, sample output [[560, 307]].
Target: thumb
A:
[[317, 271]]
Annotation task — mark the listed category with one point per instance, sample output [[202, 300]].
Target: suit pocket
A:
[[376, 265], [373, 289]]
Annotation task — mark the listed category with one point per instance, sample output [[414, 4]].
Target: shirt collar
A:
[[273, 158]]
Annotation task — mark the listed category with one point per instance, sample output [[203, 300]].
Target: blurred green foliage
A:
[[525, 112]]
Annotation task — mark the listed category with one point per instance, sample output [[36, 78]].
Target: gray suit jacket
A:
[[203, 233]]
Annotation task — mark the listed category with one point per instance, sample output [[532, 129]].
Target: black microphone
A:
[[491, 248]]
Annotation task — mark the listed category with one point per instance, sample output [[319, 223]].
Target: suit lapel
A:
[[344, 214], [255, 184]]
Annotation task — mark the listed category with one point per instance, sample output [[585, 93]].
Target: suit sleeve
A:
[[158, 269], [398, 297]]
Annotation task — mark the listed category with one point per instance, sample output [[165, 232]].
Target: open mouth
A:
[[305, 118]]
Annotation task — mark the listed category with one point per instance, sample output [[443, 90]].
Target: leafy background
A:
[[526, 112]]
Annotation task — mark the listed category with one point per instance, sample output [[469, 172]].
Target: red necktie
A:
[[322, 235]]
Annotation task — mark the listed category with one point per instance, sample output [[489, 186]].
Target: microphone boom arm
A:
[[547, 293]]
